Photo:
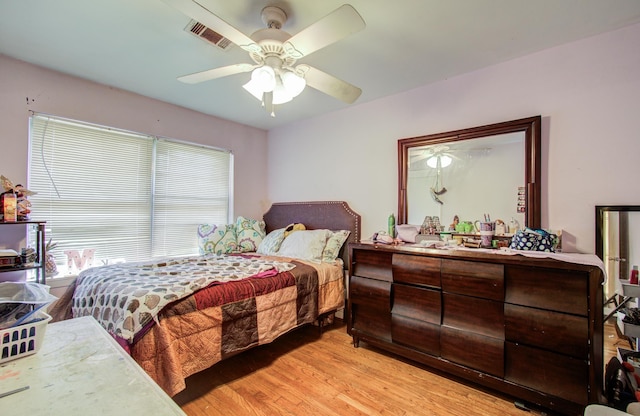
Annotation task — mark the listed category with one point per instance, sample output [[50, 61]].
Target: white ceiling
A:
[[140, 45]]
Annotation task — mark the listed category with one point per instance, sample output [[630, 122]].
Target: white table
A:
[[81, 370], [600, 410]]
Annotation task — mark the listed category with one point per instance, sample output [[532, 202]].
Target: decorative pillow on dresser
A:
[[217, 239], [249, 234]]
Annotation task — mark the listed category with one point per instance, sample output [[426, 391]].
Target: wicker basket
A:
[[22, 340]]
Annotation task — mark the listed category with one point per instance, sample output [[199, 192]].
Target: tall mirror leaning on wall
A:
[[487, 171], [618, 246]]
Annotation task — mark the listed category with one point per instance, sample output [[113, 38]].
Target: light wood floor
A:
[[303, 373]]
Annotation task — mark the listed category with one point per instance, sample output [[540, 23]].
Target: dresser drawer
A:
[[483, 280], [472, 350], [467, 313], [371, 292], [417, 303], [418, 335], [417, 270], [556, 290], [553, 331], [371, 321], [548, 372], [373, 264]]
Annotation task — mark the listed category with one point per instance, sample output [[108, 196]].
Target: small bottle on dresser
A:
[[392, 226], [633, 278]]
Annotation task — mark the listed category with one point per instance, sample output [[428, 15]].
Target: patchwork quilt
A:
[[126, 297], [212, 318]]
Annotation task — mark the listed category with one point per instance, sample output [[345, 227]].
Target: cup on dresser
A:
[[487, 230], [465, 227]]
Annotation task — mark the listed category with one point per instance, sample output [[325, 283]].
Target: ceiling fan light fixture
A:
[[293, 83], [445, 161], [264, 78], [281, 94], [254, 89], [287, 85]]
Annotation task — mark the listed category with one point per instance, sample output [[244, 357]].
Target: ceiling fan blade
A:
[[216, 73], [338, 24], [418, 158], [200, 13], [329, 84]]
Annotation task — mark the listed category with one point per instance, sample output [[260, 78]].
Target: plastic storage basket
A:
[[23, 340]]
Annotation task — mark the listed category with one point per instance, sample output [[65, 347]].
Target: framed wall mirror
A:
[[492, 169], [617, 244]]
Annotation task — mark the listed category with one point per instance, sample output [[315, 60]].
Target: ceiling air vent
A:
[[207, 35]]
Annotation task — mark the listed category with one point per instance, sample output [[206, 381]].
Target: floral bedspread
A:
[[126, 297]]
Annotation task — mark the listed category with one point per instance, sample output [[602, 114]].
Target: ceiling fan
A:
[[275, 79], [435, 155]]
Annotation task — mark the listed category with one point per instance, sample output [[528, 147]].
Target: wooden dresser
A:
[[531, 328]]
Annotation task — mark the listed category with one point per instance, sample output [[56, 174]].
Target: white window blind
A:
[[191, 187], [127, 195]]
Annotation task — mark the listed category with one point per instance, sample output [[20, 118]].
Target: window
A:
[[128, 196]]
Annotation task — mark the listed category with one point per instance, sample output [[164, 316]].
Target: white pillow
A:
[[305, 245]]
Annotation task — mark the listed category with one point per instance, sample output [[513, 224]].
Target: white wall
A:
[[588, 93], [25, 88]]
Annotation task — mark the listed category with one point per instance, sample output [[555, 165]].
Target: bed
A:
[[266, 296]]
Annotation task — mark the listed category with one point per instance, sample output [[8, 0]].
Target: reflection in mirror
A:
[[448, 179], [618, 245], [492, 169]]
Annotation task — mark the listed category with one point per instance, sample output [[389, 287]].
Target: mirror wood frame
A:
[[531, 127], [600, 212]]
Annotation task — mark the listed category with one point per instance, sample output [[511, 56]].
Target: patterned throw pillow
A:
[[334, 244], [217, 239], [534, 240], [249, 234], [271, 243]]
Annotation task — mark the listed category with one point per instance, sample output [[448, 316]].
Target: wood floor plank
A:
[[303, 373]]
